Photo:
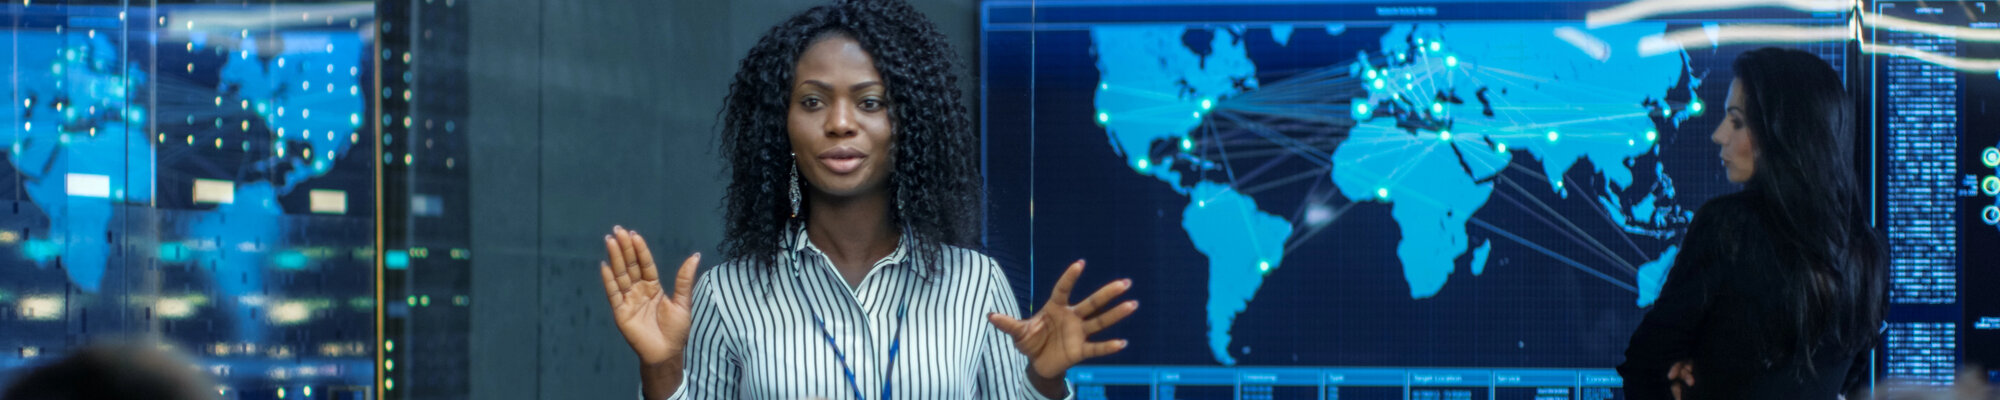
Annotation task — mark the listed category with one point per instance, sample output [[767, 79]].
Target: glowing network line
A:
[[1329, 103], [1552, 254], [1574, 231]]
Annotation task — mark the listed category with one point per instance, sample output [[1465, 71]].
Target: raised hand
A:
[[654, 323], [1058, 336]]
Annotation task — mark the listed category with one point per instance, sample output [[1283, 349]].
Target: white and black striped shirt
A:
[[753, 336]]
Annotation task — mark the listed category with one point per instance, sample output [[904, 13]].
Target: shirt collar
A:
[[800, 247]]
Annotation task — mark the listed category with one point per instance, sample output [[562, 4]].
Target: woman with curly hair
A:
[[850, 213]]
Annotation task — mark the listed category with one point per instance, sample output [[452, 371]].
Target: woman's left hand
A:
[[1058, 336], [1680, 377]]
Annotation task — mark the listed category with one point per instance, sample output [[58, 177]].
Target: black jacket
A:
[[1722, 294]]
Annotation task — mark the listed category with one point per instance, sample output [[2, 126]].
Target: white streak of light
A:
[[1642, 9]]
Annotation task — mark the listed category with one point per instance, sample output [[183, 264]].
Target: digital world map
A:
[[192, 171], [1397, 194], [1440, 110], [91, 130]]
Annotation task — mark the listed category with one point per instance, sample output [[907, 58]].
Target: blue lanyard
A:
[[895, 343]]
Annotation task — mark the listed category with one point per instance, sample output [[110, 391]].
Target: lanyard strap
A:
[[895, 343]]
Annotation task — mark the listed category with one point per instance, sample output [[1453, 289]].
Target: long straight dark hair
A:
[[1832, 261]]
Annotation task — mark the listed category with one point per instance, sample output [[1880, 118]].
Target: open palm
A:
[[1058, 336], [653, 322]]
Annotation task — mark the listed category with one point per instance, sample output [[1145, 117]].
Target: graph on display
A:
[[1471, 199]]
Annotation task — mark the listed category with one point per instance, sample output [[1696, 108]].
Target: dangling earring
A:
[[899, 204], [795, 186]]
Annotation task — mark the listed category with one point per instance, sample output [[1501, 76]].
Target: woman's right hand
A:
[[654, 323]]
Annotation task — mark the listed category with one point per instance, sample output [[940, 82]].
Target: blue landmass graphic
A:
[[82, 147], [1442, 111]]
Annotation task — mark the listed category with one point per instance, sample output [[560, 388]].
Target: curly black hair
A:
[[935, 179]]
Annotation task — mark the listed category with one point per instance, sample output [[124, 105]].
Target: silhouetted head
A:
[[132, 371]]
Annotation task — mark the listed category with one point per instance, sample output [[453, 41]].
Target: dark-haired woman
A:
[[850, 210], [1778, 292]]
